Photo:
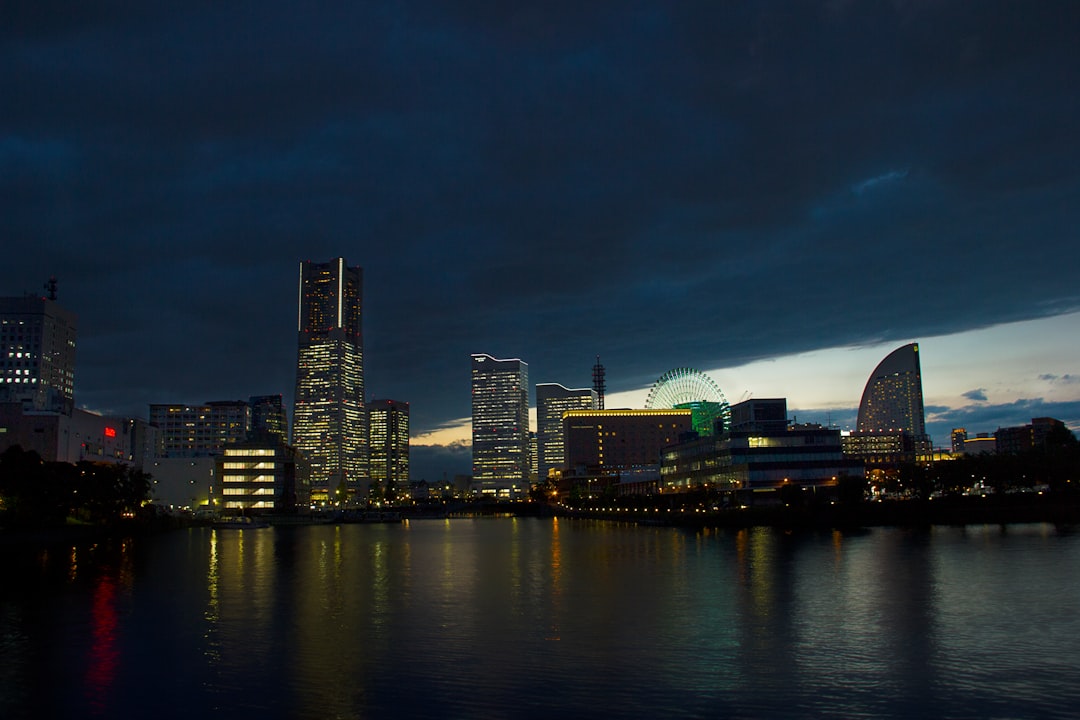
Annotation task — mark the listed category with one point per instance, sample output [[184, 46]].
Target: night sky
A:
[[704, 185]]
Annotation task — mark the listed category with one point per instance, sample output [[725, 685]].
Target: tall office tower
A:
[[268, 416], [329, 419], [37, 354], [893, 398], [188, 431], [388, 423], [500, 427], [552, 400]]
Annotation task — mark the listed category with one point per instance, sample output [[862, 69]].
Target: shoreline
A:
[[888, 513], [1051, 509]]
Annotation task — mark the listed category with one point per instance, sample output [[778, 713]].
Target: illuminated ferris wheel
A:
[[694, 390]]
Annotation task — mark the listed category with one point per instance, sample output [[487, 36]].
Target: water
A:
[[536, 618]]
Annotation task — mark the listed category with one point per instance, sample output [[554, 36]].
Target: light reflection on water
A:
[[488, 617]]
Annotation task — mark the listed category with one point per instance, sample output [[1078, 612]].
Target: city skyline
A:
[[776, 196]]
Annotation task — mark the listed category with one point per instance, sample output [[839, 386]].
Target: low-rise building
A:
[[761, 452], [262, 475]]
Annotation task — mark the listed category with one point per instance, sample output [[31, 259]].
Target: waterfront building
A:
[[329, 416], [261, 474], [75, 436], [268, 416], [388, 424], [617, 441], [891, 426], [893, 398], [500, 427], [552, 402], [762, 453], [37, 354], [186, 431]]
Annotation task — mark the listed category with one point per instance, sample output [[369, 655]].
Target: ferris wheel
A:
[[688, 388], [683, 385]]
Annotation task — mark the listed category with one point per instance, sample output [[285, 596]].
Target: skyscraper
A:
[[329, 418], [893, 398], [500, 427], [37, 354], [891, 427], [268, 416], [552, 400], [388, 423]]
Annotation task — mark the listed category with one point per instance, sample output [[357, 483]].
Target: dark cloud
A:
[[978, 395], [700, 185], [438, 463], [1065, 379]]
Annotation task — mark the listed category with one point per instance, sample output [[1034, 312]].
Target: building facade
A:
[[187, 431], [1024, 438], [891, 426], [329, 417], [268, 416], [893, 399], [76, 436], [261, 475], [500, 427], [618, 441], [552, 401], [762, 453], [37, 354], [388, 425]]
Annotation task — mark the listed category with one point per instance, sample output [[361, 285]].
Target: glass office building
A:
[[329, 417]]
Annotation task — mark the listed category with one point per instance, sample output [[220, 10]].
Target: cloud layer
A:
[[703, 185]]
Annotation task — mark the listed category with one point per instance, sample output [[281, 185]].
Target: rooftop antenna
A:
[[51, 287], [598, 382]]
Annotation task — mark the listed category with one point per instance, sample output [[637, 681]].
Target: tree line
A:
[[37, 493]]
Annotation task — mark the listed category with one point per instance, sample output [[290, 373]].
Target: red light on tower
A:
[[110, 432]]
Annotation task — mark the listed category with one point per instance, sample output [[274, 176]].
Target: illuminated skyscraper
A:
[[893, 398], [329, 418], [500, 426], [891, 428], [37, 354], [552, 400], [268, 416], [388, 423]]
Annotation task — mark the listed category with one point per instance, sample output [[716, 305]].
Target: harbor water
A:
[[545, 618]]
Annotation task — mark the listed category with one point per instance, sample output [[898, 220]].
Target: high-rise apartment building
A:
[[388, 426], [552, 401], [329, 417], [500, 427], [190, 431], [268, 416], [37, 354]]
